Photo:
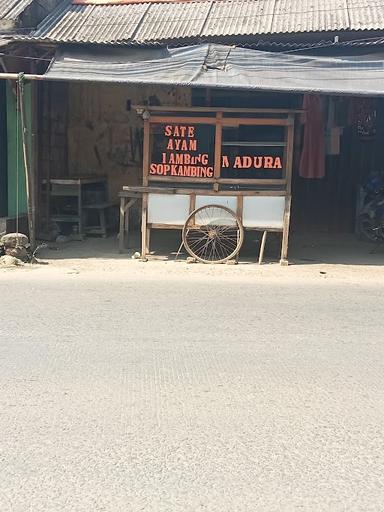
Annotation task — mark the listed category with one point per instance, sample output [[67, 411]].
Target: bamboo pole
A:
[[29, 181]]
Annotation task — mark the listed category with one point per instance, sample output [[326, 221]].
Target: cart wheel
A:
[[213, 234]]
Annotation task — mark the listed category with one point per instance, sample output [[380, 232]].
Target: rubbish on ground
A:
[[10, 261], [15, 245]]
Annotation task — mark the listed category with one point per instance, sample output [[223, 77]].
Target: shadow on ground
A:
[[304, 249]]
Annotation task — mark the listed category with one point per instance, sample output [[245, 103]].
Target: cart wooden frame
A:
[[216, 186]]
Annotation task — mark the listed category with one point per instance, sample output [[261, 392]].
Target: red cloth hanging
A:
[[312, 161]]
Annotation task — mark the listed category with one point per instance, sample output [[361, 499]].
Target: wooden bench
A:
[[101, 209]]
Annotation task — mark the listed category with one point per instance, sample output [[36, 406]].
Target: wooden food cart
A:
[[194, 156]]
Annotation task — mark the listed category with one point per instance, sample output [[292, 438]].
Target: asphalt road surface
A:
[[127, 391]]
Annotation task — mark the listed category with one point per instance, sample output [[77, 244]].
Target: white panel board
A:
[[263, 212], [168, 208], [228, 201]]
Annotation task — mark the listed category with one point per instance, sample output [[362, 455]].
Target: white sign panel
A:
[[263, 212], [168, 208]]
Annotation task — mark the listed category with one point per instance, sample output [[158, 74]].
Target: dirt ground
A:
[[337, 257]]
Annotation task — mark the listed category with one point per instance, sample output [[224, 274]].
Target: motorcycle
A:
[[371, 216]]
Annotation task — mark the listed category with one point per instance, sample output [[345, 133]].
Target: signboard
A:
[[183, 151], [187, 151]]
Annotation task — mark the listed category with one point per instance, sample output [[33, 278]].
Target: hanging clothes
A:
[[312, 161]]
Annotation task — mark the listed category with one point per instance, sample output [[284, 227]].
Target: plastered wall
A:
[[104, 136]]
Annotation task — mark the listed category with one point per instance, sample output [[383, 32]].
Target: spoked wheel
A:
[[213, 234]]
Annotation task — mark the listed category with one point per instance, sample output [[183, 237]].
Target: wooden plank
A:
[[228, 181], [289, 153], [218, 140], [186, 179], [265, 228], [259, 121], [239, 210], [76, 181], [217, 109], [254, 144], [192, 203], [251, 181], [166, 226], [188, 191], [227, 121], [181, 119]]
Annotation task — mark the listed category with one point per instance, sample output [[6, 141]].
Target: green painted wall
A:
[[15, 151], [3, 151]]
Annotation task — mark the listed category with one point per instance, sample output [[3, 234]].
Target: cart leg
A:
[[284, 244], [121, 227], [148, 236], [144, 228], [284, 248], [262, 247]]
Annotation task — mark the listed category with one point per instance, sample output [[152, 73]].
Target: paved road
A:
[[210, 394]]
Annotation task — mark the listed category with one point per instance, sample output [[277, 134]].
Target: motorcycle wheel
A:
[[370, 230]]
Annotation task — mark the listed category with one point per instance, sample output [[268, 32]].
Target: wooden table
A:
[[72, 188], [127, 199]]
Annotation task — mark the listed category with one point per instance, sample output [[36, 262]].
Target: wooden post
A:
[[144, 207], [144, 232], [29, 179], [218, 140], [289, 151], [146, 150], [288, 197]]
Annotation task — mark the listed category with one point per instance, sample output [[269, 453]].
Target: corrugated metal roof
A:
[[310, 16], [142, 23], [173, 21], [11, 9], [240, 17], [366, 13]]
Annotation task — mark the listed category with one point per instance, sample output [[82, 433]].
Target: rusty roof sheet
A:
[[142, 23], [11, 9]]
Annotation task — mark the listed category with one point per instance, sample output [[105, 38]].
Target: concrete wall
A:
[[104, 136]]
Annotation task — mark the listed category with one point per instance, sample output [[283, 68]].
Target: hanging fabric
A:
[[312, 161]]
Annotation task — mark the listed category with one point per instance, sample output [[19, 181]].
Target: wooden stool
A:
[[101, 209]]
